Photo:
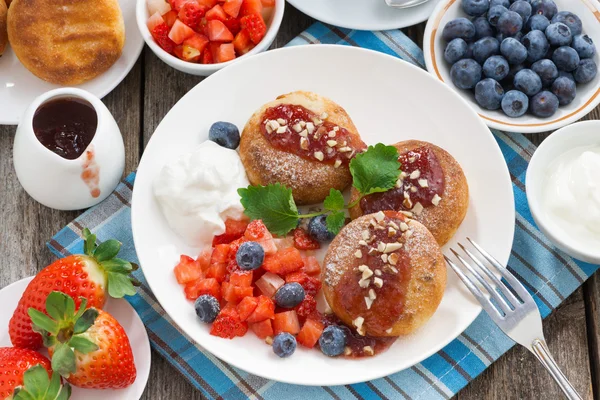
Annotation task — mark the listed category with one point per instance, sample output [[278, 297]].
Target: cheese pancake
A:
[[3, 33], [66, 42]]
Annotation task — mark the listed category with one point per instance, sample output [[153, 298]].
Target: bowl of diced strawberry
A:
[[200, 37]]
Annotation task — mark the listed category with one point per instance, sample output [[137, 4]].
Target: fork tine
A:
[[506, 274], [499, 300], [487, 305], [499, 284]]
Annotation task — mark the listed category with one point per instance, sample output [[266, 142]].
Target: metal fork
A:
[[512, 309], [404, 3]]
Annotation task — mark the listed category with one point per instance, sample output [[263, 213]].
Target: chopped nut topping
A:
[[358, 254], [358, 323], [417, 209], [393, 258], [391, 247], [347, 351], [269, 129], [302, 123], [329, 150], [319, 155], [372, 294], [281, 121], [393, 225], [389, 330], [363, 268], [344, 149], [282, 129], [362, 242], [384, 258], [337, 163], [381, 247], [380, 216], [391, 231], [367, 274], [304, 143], [407, 203], [403, 175], [331, 143], [378, 282], [436, 200], [364, 283], [304, 133], [407, 213], [368, 350], [415, 174], [297, 128], [423, 183], [403, 226], [377, 272], [368, 302], [394, 270], [316, 121], [324, 115], [269, 340], [274, 124], [412, 159], [413, 189], [399, 183], [365, 234], [331, 134], [372, 251], [408, 234], [336, 128], [310, 127]]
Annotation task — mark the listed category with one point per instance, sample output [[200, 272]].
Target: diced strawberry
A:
[[269, 283], [286, 322], [216, 13], [311, 284], [232, 7], [233, 24], [255, 25], [190, 53], [251, 7], [220, 254], [160, 33], [235, 245], [234, 294], [310, 333], [256, 230], [268, 245], [207, 286], [284, 262], [203, 259], [233, 230], [207, 56], [246, 307], [207, 3], [303, 241], [177, 4], [191, 14], [262, 329], [225, 53], [170, 18], [228, 324], [241, 278], [264, 310], [217, 271], [311, 266], [243, 292], [218, 32], [155, 20], [158, 6], [268, 3], [307, 307], [178, 51], [280, 243], [180, 31], [187, 270]]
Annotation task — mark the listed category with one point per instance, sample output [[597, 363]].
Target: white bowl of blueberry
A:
[[524, 65]]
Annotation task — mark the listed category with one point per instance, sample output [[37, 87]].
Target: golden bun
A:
[[3, 31], [66, 42], [310, 180], [410, 291], [444, 219]]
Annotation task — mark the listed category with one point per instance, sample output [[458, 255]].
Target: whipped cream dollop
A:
[[572, 194], [197, 192]]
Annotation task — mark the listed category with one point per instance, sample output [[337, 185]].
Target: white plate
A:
[[127, 317], [368, 15], [394, 101], [18, 86], [588, 95]]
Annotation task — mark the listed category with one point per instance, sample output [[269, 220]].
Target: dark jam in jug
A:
[[65, 126]]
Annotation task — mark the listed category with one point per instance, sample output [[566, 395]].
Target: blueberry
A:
[[284, 344], [456, 50], [544, 104], [546, 70], [317, 228], [584, 46], [558, 34], [207, 308], [528, 82], [458, 28], [509, 23], [475, 8], [571, 20], [564, 89], [465, 73], [508, 83], [482, 28], [586, 71], [289, 295], [547, 8], [495, 13], [503, 3], [515, 103], [523, 8], [485, 48], [469, 53], [332, 341], [225, 134], [250, 255], [496, 67], [538, 22], [489, 93], [513, 50], [536, 44], [566, 74], [566, 58]]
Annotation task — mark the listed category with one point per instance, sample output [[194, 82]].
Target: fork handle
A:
[[540, 349]]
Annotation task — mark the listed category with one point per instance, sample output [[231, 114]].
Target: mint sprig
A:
[[375, 170]]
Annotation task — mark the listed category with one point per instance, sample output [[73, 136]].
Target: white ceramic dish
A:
[[581, 134], [392, 103], [369, 15], [588, 95], [18, 86], [142, 16], [127, 317]]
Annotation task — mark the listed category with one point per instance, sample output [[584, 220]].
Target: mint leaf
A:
[[335, 222], [273, 204], [335, 201], [375, 170]]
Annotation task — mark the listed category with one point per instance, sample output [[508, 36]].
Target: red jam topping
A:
[[423, 181], [297, 130], [388, 284]]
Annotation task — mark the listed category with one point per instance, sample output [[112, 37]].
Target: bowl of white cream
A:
[[563, 189]]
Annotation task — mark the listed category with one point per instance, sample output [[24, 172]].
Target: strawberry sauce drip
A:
[[344, 149], [423, 160]]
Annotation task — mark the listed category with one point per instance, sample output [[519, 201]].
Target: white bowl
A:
[[577, 135], [142, 16], [588, 95]]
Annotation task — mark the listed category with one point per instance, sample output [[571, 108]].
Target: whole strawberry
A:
[[91, 275], [24, 376], [89, 348]]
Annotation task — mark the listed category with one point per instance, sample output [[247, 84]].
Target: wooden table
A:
[[139, 103]]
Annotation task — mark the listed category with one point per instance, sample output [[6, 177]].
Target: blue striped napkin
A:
[[548, 274]]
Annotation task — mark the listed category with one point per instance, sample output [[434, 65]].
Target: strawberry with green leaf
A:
[[94, 275], [88, 346]]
